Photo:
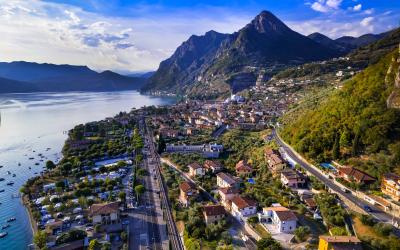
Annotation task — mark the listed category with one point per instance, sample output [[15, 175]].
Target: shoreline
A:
[[25, 201]]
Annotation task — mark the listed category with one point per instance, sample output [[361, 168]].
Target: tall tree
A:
[[336, 147]]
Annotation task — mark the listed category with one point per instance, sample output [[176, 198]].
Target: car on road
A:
[[89, 229], [368, 208], [345, 190]]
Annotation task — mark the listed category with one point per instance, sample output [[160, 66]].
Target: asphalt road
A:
[[146, 223], [376, 211]]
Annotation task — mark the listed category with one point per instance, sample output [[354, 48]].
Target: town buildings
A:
[[226, 180], [292, 178], [391, 186], [351, 174], [339, 243], [187, 191], [195, 169], [105, 213], [283, 219], [243, 207], [213, 213]]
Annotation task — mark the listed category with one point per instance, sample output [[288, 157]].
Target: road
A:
[[155, 170], [146, 224], [219, 131], [376, 211], [237, 226]]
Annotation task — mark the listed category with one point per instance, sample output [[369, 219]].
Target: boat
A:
[[19, 163], [14, 175], [30, 168], [3, 234], [1, 166], [2, 190], [37, 163], [31, 158], [8, 172], [5, 226], [2, 179], [10, 183], [11, 219]]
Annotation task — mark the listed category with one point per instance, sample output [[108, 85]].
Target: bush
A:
[[301, 233], [253, 220], [383, 229], [367, 220], [268, 244]]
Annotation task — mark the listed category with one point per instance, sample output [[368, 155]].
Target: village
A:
[[230, 184]]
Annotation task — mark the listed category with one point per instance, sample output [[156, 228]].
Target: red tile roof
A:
[[105, 208], [243, 202], [187, 186], [357, 174], [213, 210]]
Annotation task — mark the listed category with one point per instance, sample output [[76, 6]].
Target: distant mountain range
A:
[[345, 44], [33, 77], [215, 63]]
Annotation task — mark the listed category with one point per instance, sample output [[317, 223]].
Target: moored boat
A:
[[3, 234]]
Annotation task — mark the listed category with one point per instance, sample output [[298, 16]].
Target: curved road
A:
[[376, 211]]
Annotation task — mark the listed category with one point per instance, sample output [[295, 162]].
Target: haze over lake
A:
[[33, 124]]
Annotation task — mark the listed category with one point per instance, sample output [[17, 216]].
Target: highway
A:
[[376, 212]]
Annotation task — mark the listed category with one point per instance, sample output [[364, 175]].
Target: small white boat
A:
[[3, 234], [11, 219]]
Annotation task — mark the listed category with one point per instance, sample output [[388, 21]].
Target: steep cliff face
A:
[[393, 75]]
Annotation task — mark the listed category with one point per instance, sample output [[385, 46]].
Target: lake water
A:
[[32, 123]]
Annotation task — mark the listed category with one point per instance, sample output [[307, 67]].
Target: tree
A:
[[336, 148], [356, 144], [40, 239], [94, 245], [253, 220], [301, 233], [161, 144], [50, 165], [106, 246], [122, 196], [139, 190], [268, 244], [344, 138]]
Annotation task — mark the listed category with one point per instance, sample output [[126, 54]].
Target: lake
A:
[[35, 123]]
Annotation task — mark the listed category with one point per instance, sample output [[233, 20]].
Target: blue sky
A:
[[129, 36]]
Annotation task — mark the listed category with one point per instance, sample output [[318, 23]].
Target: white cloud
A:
[[326, 5], [59, 33], [367, 21], [357, 7], [369, 11]]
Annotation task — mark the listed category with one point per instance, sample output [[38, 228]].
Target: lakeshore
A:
[[35, 123]]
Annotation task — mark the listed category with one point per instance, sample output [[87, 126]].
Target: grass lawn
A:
[[261, 230]]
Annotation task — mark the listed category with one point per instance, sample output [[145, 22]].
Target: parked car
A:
[[367, 208]]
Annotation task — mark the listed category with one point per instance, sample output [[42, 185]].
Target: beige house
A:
[[227, 194], [187, 191], [195, 169], [105, 213], [227, 180], [213, 213]]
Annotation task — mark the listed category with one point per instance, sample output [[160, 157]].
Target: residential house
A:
[[243, 207], [310, 203], [227, 180], [339, 243], [293, 178], [283, 219], [187, 191], [275, 162], [104, 213], [195, 169], [351, 174], [391, 186], [243, 168], [214, 166], [226, 194], [213, 213]]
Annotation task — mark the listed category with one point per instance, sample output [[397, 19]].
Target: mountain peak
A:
[[267, 22]]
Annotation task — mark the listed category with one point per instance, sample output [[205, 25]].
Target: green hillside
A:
[[352, 124]]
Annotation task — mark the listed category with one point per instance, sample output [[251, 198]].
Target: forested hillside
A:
[[353, 124]]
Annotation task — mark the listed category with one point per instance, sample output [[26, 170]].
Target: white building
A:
[[282, 219], [243, 207]]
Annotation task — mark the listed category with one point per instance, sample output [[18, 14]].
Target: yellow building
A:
[[339, 243]]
